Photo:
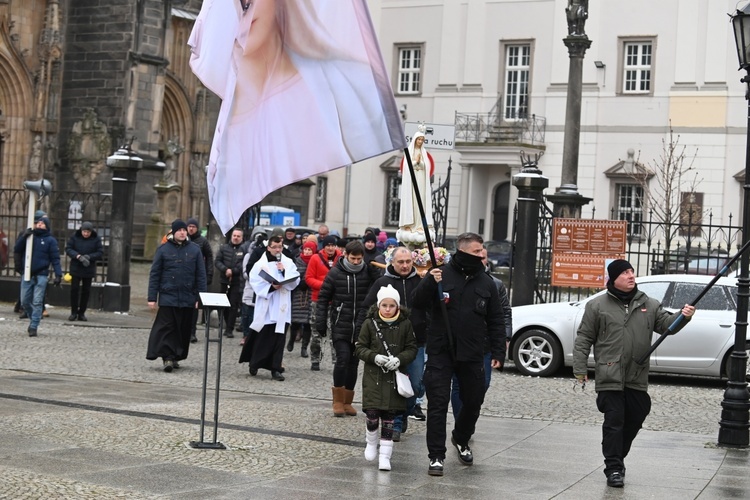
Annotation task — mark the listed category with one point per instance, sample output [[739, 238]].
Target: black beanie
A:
[[616, 268], [193, 222], [178, 224], [329, 240], [370, 237]]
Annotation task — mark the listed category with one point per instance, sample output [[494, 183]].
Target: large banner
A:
[[304, 90]]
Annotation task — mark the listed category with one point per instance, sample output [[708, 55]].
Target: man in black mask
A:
[[619, 324], [470, 313]]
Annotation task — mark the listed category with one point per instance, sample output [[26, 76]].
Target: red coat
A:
[[317, 270]]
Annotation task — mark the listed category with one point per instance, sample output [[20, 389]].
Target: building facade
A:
[[498, 71]]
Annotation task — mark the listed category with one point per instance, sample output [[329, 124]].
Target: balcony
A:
[[492, 129]]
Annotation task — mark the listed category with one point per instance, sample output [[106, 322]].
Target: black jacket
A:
[[405, 287], [342, 294], [230, 257], [91, 247], [177, 274], [208, 254], [474, 312]]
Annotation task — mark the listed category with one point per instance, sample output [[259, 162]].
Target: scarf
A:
[[624, 297], [352, 268], [390, 320], [467, 263]]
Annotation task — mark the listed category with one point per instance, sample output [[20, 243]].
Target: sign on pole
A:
[[436, 136]]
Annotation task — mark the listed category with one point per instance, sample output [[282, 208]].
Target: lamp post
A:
[[734, 424], [125, 164]]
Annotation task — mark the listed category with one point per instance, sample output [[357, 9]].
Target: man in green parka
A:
[[619, 324]]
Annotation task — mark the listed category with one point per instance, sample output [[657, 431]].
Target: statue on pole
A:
[[412, 228]]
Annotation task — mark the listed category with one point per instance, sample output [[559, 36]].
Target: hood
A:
[[391, 272]]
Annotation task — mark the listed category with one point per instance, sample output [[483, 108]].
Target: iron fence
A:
[[491, 127], [697, 244], [67, 210]]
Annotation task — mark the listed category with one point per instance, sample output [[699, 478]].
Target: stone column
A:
[[567, 201]]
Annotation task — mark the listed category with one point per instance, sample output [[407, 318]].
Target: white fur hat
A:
[[388, 292]]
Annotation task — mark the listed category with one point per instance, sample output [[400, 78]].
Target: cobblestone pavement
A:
[[88, 385]]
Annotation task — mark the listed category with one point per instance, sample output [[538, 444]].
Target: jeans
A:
[[32, 298], [456, 391], [246, 318], [415, 370]]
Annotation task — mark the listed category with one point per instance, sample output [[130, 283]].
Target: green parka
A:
[[620, 335], [379, 390]]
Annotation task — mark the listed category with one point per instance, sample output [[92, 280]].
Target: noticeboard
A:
[[580, 270], [589, 236]]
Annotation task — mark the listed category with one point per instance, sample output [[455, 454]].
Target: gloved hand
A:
[[84, 260], [28, 232], [57, 280], [392, 364], [322, 333], [380, 359]]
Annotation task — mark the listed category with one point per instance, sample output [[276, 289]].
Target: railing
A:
[[75, 207], [697, 245], [494, 127]]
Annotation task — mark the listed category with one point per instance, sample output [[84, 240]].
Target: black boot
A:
[[290, 342]]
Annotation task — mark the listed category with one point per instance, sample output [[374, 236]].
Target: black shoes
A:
[[72, 317], [253, 371], [303, 352], [193, 339], [396, 436], [277, 376], [82, 317], [417, 414], [175, 364], [32, 332], [168, 365], [290, 344], [464, 452], [229, 334], [436, 467], [615, 480], [315, 366]]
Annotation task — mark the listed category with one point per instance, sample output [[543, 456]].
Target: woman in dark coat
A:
[[177, 276], [84, 248], [301, 301]]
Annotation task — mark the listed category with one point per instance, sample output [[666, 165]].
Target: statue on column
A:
[[411, 229], [577, 12]]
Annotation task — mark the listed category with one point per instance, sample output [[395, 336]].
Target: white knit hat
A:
[[388, 292]]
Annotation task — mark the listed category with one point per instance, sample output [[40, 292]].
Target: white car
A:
[[544, 334]]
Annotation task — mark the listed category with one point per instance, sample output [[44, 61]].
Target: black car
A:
[[499, 252]]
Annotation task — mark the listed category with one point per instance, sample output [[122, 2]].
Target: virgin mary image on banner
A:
[[304, 90]]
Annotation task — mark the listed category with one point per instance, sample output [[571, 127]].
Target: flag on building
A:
[[304, 90]]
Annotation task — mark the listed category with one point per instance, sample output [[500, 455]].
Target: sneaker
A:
[[72, 317], [436, 467], [315, 366], [168, 365], [277, 376], [615, 480], [417, 414], [32, 332], [82, 317], [464, 452]]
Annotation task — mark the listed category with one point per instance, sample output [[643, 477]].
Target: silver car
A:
[[543, 334]]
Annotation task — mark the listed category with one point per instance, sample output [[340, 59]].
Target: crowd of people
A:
[[437, 332]]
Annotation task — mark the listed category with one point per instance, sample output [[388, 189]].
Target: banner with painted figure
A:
[[304, 90]]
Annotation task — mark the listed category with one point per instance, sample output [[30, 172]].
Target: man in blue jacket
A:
[[44, 252], [177, 276]]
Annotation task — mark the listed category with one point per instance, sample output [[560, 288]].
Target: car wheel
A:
[[727, 362], [537, 353]]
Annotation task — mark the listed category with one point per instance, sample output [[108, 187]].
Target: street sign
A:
[[589, 236], [436, 136], [580, 270]]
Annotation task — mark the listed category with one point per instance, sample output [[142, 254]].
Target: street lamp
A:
[[734, 424]]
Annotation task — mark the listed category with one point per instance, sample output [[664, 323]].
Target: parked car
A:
[[499, 252], [709, 265], [544, 334]]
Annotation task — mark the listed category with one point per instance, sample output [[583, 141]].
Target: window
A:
[[321, 191], [517, 66], [637, 67], [392, 199], [630, 207], [409, 70]]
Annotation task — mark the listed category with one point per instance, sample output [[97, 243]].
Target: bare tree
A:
[[669, 184]]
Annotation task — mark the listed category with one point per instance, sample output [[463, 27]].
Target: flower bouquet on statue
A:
[[422, 260]]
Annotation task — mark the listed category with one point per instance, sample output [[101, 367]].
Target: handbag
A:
[[403, 384]]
